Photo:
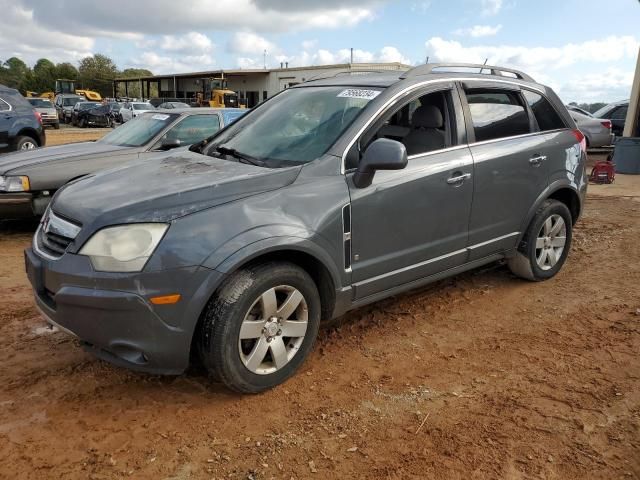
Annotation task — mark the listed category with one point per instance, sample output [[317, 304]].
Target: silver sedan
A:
[[596, 130]]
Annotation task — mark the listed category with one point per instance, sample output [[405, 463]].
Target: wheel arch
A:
[[29, 132]]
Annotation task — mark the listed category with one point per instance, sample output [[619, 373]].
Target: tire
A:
[[247, 302], [82, 123], [25, 143], [544, 248], [56, 125]]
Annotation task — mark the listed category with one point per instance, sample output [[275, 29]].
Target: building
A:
[[251, 85]]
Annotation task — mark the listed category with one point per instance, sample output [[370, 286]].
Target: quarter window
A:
[[546, 115], [497, 114], [4, 106]]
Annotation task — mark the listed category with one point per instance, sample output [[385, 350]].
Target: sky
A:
[[585, 50]]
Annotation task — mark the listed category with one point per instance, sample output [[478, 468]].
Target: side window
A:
[[546, 115], [619, 113], [422, 124], [4, 105], [497, 114], [194, 129]]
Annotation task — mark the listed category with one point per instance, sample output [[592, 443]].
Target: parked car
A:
[[597, 131], [617, 113], [20, 125], [170, 105], [114, 111], [81, 107], [47, 111], [133, 109], [64, 105], [573, 108], [93, 116], [34, 177], [236, 249]]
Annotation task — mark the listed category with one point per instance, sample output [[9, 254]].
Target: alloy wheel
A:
[[550, 242], [273, 330]]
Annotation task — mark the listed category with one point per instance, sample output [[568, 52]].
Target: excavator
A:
[[67, 86], [216, 94]]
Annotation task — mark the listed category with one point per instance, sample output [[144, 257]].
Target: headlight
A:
[[125, 248], [14, 184]]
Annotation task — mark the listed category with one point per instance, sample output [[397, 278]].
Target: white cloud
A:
[[421, 7], [163, 64], [392, 54], [479, 31], [321, 56], [155, 17], [190, 42], [550, 65], [245, 62], [309, 44], [19, 38], [491, 7], [606, 49], [250, 43]]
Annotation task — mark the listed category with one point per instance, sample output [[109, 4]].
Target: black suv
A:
[[20, 125]]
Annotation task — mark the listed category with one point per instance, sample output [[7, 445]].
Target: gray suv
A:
[[329, 196]]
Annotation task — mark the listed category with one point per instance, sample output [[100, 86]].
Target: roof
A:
[[241, 72], [196, 110]]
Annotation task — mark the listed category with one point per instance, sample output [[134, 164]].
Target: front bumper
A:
[[16, 205], [112, 315]]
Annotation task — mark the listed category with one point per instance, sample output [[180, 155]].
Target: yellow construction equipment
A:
[[217, 94], [69, 86]]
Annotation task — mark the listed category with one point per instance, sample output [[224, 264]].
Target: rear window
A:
[[497, 114], [546, 115], [40, 102]]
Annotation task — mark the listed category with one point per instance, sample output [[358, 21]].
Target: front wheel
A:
[[545, 244], [259, 328], [25, 143]]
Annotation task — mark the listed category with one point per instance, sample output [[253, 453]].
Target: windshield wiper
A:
[[243, 157]]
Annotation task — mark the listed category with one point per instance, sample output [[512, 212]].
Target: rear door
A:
[[6, 119], [510, 168]]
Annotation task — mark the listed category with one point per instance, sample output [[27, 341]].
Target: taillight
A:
[[38, 116], [606, 124], [580, 137]]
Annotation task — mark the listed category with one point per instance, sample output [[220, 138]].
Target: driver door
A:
[[412, 223]]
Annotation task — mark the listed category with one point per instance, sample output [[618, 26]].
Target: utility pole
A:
[[351, 55], [265, 59]]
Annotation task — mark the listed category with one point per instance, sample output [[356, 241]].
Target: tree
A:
[[97, 73], [44, 76], [66, 71], [14, 72], [134, 88]]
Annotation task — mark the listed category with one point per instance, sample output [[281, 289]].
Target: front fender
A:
[[259, 242]]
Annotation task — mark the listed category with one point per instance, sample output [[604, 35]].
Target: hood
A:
[[163, 188], [13, 163]]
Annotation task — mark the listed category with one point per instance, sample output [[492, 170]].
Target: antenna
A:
[[265, 58], [427, 60]]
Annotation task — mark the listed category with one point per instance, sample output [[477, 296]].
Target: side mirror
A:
[[169, 143], [382, 154]]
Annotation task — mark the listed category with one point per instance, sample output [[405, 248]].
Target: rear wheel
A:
[[56, 125], [26, 143], [546, 243], [260, 327]]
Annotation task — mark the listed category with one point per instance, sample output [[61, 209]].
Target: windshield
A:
[[70, 101], [41, 103], [297, 126], [87, 106], [139, 131], [142, 106]]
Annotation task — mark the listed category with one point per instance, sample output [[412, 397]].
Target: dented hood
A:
[[163, 188]]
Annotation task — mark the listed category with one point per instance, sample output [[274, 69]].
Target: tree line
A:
[[95, 72]]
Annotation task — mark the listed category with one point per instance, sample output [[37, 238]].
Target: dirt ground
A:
[[479, 376], [69, 134]]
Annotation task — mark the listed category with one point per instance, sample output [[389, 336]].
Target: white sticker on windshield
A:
[[159, 116], [359, 93]]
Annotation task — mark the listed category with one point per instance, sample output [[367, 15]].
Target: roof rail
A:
[[428, 68], [322, 76]]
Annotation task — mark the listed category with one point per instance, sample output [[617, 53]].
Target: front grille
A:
[[53, 244], [54, 235]]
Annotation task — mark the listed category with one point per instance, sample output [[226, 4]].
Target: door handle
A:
[[537, 160], [458, 179]]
